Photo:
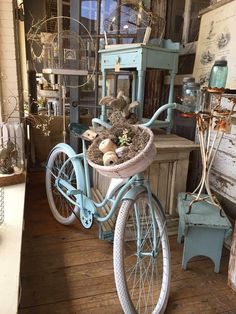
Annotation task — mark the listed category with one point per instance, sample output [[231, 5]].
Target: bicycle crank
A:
[[86, 217]]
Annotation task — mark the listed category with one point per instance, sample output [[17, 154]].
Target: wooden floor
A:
[[68, 270]]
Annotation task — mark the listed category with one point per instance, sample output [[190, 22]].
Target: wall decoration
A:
[[217, 40]]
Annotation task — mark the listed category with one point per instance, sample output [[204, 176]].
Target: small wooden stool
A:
[[203, 230]]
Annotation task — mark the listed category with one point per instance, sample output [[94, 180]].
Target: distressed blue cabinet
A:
[[137, 58]]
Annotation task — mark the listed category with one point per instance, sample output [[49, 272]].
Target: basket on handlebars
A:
[[133, 166]]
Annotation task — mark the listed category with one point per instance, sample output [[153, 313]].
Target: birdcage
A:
[[67, 49], [133, 24]]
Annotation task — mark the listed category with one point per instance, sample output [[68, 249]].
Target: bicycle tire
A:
[[63, 211], [133, 295]]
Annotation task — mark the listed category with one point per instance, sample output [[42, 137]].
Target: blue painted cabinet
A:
[[137, 58]]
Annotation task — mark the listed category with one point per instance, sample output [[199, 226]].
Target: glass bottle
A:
[[187, 80], [191, 96], [218, 74]]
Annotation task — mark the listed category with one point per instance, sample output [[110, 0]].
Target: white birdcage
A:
[[68, 48]]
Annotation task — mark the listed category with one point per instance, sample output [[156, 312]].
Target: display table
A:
[[10, 247], [137, 58]]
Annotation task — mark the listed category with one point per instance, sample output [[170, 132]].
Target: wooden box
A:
[[168, 172]]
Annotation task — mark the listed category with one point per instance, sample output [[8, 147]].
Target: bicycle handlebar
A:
[[174, 105]]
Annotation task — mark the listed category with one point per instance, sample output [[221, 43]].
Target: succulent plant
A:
[[125, 139]]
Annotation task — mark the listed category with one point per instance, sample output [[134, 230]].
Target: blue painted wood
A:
[[203, 230], [139, 57]]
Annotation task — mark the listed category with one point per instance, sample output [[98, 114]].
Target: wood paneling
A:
[[222, 179], [232, 263]]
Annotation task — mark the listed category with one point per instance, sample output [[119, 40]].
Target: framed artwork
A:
[[217, 40]]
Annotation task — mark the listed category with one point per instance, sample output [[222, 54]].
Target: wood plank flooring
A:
[[67, 270]]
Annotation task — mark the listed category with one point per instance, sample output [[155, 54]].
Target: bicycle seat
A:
[[82, 131]]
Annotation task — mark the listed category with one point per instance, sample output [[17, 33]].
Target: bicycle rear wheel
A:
[[142, 256], [62, 209]]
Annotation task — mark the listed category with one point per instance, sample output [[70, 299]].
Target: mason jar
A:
[[187, 80], [191, 96], [218, 74]]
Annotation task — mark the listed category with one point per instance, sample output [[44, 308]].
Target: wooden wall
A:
[[9, 61], [223, 175]]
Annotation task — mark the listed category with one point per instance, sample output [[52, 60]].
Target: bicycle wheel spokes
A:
[[142, 267], [63, 210], [64, 207], [145, 269]]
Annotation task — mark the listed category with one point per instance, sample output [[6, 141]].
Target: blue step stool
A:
[[203, 230]]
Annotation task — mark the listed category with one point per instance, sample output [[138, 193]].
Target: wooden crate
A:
[[41, 144], [167, 174]]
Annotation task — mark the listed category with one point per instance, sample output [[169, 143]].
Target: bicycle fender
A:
[[67, 148], [133, 193]]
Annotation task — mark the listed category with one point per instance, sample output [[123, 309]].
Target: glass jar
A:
[[187, 80], [191, 96], [218, 74]]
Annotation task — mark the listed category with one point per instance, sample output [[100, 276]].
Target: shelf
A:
[[10, 246], [65, 71]]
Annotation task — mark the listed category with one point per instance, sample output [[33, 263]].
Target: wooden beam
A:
[[187, 14]]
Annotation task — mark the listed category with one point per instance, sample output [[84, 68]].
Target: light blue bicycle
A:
[[141, 249]]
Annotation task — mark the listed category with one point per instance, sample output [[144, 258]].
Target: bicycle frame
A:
[[140, 224], [125, 188], [82, 199]]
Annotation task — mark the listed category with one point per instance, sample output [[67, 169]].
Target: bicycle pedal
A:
[[73, 192]]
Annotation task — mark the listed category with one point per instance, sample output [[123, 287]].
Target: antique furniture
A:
[[167, 174], [202, 221], [137, 58], [204, 230]]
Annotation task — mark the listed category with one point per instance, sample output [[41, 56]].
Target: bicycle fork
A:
[[151, 229]]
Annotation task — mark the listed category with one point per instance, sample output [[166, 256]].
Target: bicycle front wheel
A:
[[142, 256], [62, 209]]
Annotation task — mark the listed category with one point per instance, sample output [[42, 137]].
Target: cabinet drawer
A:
[[125, 59]]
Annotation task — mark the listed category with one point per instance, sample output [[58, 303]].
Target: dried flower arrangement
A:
[[124, 145]]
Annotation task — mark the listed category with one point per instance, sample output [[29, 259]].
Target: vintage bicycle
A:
[[141, 252]]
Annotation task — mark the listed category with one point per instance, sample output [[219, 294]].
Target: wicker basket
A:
[[135, 165]]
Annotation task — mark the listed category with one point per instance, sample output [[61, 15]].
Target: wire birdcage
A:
[[133, 21], [72, 55], [67, 50]]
